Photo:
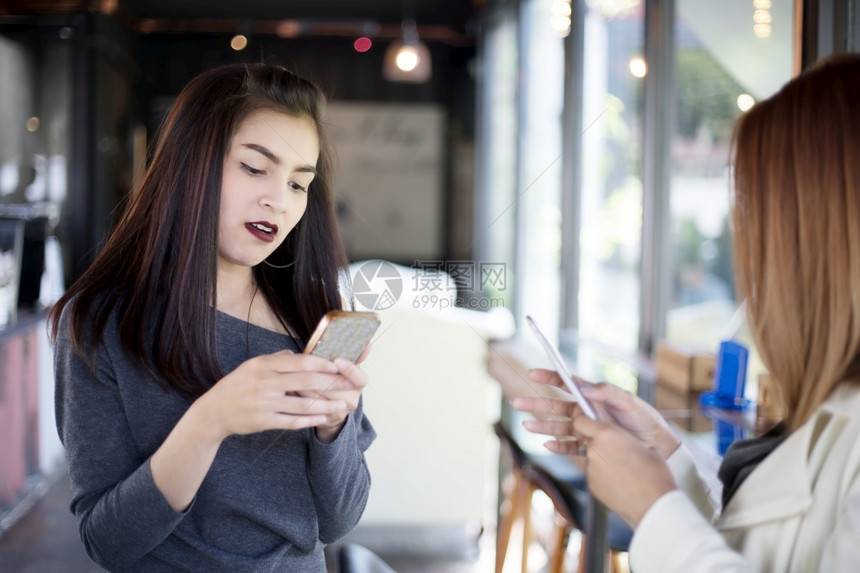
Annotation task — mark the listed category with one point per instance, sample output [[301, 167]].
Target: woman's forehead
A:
[[289, 138]]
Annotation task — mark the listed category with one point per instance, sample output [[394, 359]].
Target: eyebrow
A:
[[275, 159]]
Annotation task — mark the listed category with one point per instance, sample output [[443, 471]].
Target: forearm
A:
[[329, 433], [340, 479], [675, 537], [120, 526], [183, 460], [689, 480]]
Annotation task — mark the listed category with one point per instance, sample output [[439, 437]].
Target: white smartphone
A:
[[343, 334], [561, 368]]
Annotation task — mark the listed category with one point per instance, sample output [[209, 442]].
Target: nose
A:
[[275, 198]]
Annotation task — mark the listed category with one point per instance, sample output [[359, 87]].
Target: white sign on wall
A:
[[388, 182]]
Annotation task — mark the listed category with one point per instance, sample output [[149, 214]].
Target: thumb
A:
[[585, 427], [607, 394]]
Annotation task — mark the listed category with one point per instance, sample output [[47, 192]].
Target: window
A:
[[498, 137], [539, 174], [611, 201], [724, 62]]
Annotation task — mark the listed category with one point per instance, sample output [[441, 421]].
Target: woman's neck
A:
[[238, 296], [235, 291]]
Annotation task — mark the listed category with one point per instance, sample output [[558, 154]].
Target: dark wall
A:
[[85, 77], [112, 80], [344, 74]]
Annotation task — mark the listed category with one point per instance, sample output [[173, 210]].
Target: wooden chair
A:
[[565, 485], [518, 498], [570, 500]]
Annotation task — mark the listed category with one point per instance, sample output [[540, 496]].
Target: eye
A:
[[252, 170], [296, 187]]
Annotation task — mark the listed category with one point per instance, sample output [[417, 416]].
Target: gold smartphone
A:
[[343, 334]]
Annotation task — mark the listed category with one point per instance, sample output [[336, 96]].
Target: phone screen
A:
[[561, 368]]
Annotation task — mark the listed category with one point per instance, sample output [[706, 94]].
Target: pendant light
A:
[[407, 60]]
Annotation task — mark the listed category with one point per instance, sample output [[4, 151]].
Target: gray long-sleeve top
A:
[[270, 501]]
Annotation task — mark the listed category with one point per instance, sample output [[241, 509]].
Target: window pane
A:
[[724, 62], [496, 224], [611, 174], [539, 187]]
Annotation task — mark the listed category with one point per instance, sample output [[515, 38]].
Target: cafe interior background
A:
[[565, 159]]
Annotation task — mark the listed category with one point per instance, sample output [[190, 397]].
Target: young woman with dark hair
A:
[[791, 498], [198, 436]]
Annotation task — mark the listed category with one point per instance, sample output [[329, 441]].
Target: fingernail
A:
[[588, 389], [341, 406], [342, 363]]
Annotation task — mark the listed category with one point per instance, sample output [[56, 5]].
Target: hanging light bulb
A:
[[761, 18], [407, 60]]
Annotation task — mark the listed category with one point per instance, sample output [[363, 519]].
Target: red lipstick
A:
[[263, 230]]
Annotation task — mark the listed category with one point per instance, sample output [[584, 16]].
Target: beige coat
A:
[[799, 510]]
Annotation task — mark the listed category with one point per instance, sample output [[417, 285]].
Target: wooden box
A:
[[684, 370], [769, 404], [682, 409]]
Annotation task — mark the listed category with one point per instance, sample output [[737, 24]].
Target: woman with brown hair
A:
[[198, 436], [791, 499]]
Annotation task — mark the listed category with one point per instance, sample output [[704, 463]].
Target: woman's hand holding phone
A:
[[612, 404], [623, 473], [328, 430], [263, 393], [338, 335], [626, 446], [273, 392], [636, 416]]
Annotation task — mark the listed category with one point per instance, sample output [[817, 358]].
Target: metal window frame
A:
[[571, 170], [658, 124], [825, 27]]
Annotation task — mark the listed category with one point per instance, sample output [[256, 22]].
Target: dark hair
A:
[[158, 268]]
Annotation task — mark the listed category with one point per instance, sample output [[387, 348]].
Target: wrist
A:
[[327, 433], [667, 444], [652, 499], [208, 428]]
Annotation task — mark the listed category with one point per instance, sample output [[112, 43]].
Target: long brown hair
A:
[[797, 232], [158, 268]]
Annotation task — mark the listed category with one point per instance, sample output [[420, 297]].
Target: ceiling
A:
[[447, 21], [455, 13]]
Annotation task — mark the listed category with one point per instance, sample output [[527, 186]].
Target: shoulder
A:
[[831, 437], [843, 402], [837, 421], [836, 424], [85, 325], [821, 452]]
